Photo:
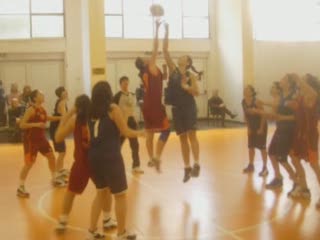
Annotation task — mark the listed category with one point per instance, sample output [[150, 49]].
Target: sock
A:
[[106, 215], [63, 218], [196, 161]]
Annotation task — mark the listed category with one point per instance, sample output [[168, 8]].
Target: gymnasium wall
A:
[[50, 62]]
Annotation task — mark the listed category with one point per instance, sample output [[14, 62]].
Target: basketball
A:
[[156, 10]]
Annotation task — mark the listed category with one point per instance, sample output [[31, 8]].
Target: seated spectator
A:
[[14, 93], [217, 107], [3, 111]]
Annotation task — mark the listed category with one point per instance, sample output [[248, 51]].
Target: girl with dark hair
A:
[[105, 159], [281, 142], [305, 143], [154, 112], [59, 110], [183, 88], [34, 140], [76, 121], [257, 129]]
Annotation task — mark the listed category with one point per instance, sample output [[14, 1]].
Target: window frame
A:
[[30, 15], [183, 15]]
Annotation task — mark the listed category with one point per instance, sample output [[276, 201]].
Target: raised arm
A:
[[155, 50], [66, 126], [24, 124], [118, 118], [165, 49]]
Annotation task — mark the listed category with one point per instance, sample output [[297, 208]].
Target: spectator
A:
[[3, 117], [14, 93], [217, 106], [24, 98], [14, 112]]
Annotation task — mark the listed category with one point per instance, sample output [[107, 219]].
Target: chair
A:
[[213, 116]]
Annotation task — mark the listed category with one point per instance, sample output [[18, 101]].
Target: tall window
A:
[[22, 19], [132, 19], [286, 20]]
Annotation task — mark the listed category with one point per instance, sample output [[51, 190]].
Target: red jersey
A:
[[153, 110], [35, 133], [305, 144]]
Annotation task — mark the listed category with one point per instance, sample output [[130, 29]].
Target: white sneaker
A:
[[137, 170], [61, 226], [109, 224], [59, 182], [95, 235], [126, 236]]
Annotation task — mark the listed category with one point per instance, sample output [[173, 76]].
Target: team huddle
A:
[[295, 108], [100, 125]]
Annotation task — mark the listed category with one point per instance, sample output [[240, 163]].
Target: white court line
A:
[[231, 233]]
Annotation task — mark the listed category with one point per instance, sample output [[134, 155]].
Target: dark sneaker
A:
[[127, 236], [195, 170], [264, 172], [109, 224], [275, 183], [233, 116], [94, 235], [249, 169], [22, 193], [187, 174]]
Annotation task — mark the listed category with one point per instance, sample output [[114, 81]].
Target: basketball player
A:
[[182, 88], [76, 121], [153, 110], [34, 140], [257, 129], [59, 110]]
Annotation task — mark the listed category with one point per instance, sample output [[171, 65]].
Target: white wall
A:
[[274, 59]]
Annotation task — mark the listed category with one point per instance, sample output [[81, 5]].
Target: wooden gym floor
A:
[[222, 204]]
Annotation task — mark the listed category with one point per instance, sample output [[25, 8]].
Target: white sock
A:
[[106, 215]]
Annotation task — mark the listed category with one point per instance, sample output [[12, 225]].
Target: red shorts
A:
[[32, 147], [79, 176], [155, 119]]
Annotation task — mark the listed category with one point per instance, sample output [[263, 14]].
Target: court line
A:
[[224, 231]]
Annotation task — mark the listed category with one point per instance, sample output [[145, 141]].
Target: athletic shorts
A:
[[281, 143], [258, 141], [59, 147], [108, 171], [184, 118], [31, 149], [79, 176]]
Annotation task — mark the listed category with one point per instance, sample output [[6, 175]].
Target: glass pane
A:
[[175, 27], [171, 8], [14, 27], [14, 6], [137, 7], [47, 6], [112, 6], [198, 8], [113, 26], [288, 28], [138, 27], [40, 26], [194, 27]]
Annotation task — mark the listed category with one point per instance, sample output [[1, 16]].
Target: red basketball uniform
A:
[[80, 174], [305, 144], [154, 112], [34, 139]]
